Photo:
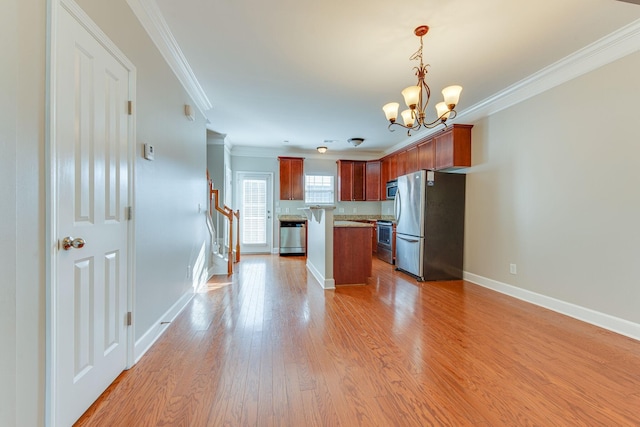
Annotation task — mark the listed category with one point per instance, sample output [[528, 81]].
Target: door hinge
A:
[[130, 108], [129, 213], [129, 318]]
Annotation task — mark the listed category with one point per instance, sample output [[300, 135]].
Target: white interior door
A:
[[256, 201], [91, 197]]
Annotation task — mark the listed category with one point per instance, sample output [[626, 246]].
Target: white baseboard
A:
[[151, 336], [605, 321], [324, 282]]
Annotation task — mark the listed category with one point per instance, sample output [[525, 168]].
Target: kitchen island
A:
[[338, 252], [351, 252]]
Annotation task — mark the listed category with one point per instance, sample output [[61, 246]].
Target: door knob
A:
[[70, 242]]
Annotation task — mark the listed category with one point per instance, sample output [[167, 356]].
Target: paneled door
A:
[[256, 201], [91, 172]]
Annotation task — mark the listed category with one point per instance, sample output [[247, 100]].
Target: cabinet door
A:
[[285, 179], [411, 164], [297, 179], [393, 167], [426, 155], [401, 163], [444, 150], [453, 148], [384, 177], [358, 192], [373, 180], [291, 178], [345, 182]]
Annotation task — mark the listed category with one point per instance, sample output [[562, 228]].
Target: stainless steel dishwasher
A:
[[293, 238]]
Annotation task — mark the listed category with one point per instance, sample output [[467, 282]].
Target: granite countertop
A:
[[351, 224], [293, 217]]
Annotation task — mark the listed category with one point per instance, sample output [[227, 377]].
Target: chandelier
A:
[[417, 98]]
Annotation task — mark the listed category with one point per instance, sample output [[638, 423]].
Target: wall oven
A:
[[385, 241]]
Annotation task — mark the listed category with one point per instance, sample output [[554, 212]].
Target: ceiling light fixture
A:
[[355, 141], [414, 117], [321, 150]]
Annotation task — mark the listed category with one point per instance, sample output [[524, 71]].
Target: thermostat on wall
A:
[[148, 151]]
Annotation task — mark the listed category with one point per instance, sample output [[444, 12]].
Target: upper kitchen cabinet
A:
[[392, 167], [351, 180], [291, 178], [372, 181], [426, 155], [453, 147], [411, 160], [401, 163]]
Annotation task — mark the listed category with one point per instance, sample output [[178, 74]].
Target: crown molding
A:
[[610, 48], [153, 22]]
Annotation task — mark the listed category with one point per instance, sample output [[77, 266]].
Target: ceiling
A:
[[297, 73]]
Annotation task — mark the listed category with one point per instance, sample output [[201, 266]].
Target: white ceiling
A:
[[308, 71]]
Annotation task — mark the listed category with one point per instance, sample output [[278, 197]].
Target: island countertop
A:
[[351, 224]]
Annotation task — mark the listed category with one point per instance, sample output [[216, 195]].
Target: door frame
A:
[[270, 204], [51, 182]]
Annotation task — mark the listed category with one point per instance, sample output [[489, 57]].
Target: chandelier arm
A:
[[441, 120]]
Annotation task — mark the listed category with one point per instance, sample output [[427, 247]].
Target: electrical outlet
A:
[[513, 269], [286, 210]]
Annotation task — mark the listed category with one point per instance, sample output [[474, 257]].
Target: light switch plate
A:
[[149, 151]]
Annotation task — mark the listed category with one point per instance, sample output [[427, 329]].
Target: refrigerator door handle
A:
[[397, 206], [407, 240]]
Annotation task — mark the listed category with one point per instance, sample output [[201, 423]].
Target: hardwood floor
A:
[[272, 348]]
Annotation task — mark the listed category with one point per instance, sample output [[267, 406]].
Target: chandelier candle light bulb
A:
[[417, 98]]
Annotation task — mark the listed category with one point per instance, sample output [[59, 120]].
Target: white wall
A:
[[554, 190], [8, 219], [22, 290]]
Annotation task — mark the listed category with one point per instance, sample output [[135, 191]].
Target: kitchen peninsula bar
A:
[[338, 252]]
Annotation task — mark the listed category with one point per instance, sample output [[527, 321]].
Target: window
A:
[[318, 189]]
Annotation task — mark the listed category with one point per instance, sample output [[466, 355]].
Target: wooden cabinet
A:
[[401, 163], [392, 166], [426, 155], [372, 181], [453, 147], [384, 176], [291, 178], [352, 263], [351, 180], [411, 161]]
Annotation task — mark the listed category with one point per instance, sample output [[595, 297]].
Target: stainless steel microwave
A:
[[392, 187]]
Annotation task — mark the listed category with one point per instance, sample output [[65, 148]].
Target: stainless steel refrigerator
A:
[[429, 211]]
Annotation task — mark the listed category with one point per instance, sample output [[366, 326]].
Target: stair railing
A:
[[227, 213]]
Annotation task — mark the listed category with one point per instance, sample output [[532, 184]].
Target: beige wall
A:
[[554, 191]]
